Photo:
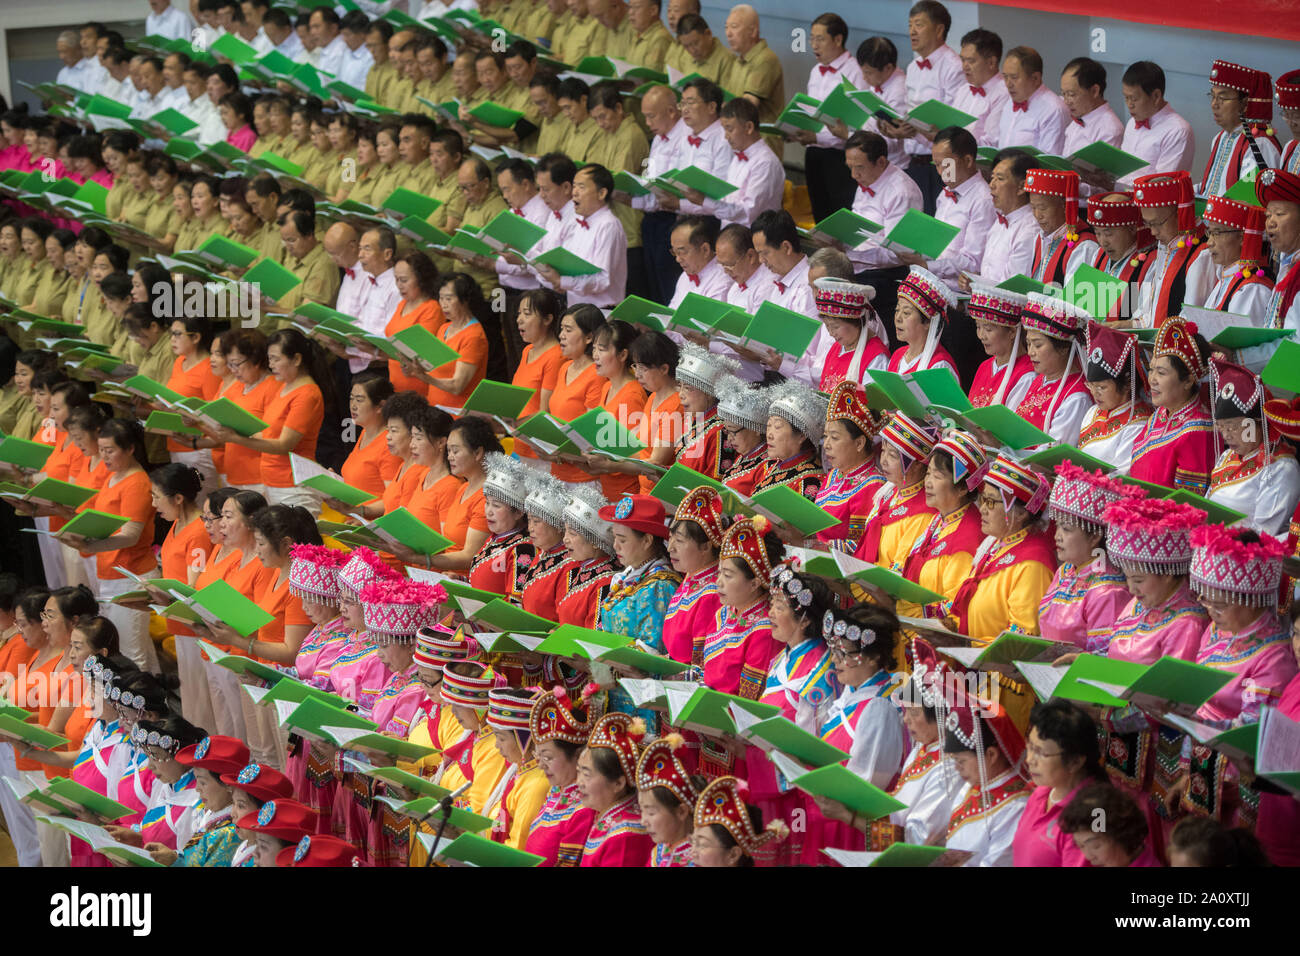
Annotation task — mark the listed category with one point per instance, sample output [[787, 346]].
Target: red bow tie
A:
[[826, 69], [352, 273], [517, 211], [1142, 124], [693, 278], [780, 286], [373, 280], [1002, 220], [977, 91], [868, 190], [1020, 107], [742, 157], [741, 286], [923, 64], [664, 137], [878, 89], [580, 221], [694, 140], [556, 214], [951, 195], [1079, 121]]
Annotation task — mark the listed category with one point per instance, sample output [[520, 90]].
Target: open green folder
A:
[[94, 525], [494, 114], [460, 818], [406, 529], [1092, 667], [566, 263], [455, 589], [415, 227], [231, 608], [782, 329], [354, 738], [506, 617], [545, 428], [508, 231], [705, 315], [1283, 369], [1022, 284], [1008, 648], [1244, 337], [23, 453], [692, 177], [709, 711], [272, 279], [241, 665], [467, 240], [1095, 291], [843, 785], [933, 115], [170, 423], [679, 481], [1103, 157], [98, 804], [1241, 742], [225, 412], [780, 733], [602, 433], [917, 232], [150, 389], [643, 312], [33, 734], [839, 105], [60, 493], [1007, 427], [1053, 455], [497, 398], [846, 227], [419, 344], [407, 202], [1243, 190], [295, 692], [332, 487], [474, 850], [1171, 684], [940, 387], [394, 775], [796, 118], [226, 252], [233, 49], [312, 715], [569, 640], [782, 503], [909, 854], [1218, 514]]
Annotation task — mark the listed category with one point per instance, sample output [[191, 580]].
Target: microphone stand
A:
[[443, 808]]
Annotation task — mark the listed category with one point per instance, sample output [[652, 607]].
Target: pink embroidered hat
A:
[[1054, 317], [1079, 497], [1150, 535], [395, 609], [313, 575], [927, 292], [362, 567], [999, 306], [1228, 570]]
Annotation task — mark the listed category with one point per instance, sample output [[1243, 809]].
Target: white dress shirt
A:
[[706, 149], [972, 212], [176, 97], [1250, 300], [941, 80], [753, 292], [894, 92], [1100, 125], [1167, 145], [292, 46], [146, 104], [986, 107], [377, 300], [1041, 123], [885, 201], [173, 23], [792, 291], [332, 55], [759, 178], [354, 66], [348, 301], [539, 214], [711, 282], [74, 76], [436, 8], [664, 148], [121, 90], [262, 43], [823, 78], [1083, 252], [206, 35], [1009, 248], [202, 111], [600, 239], [1199, 280]]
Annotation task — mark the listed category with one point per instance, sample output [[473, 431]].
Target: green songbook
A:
[[845, 227], [840, 106], [782, 329], [1094, 668], [1095, 291], [709, 711], [632, 659], [909, 854], [546, 433], [1173, 684], [494, 114], [679, 481], [569, 640], [1218, 514], [60, 493], [401, 527], [922, 234], [1022, 284], [1244, 337], [474, 850], [460, 818], [692, 177], [506, 617], [1241, 743], [243, 665], [94, 525], [233, 49], [226, 252], [34, 734], [272, 279], [170, 423], [355, 738], [416, 228], [223, 411], [68, 789], [843, 785], [508, 231], [1007, 427], [337, 489], [940, 387], [566, 263], [1008, 648], [780, 733], [782, 503], [1059, 452], [1243, 190], [702, 314], [932, 116], [498, 398], [643, 312], [423, 347], [294, 691], [22, 453], [226, 605], [797, 116], [1283, 369], [150, 390], [313, 715], [1102, 157], [467, 240], [597, 432], [407, 202]]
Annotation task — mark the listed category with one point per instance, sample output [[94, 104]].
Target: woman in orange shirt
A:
[[465, 523], [432, 497], [293, 416], [15, 660], [225, 377], [417, 283], [370, 465], [88, 470], [654, 360], [578, 384], [461, 300], [192, 376], [47, 433], [399, 414], [538, 320], [252, 390], [125, 493], [66, 610], [622, 396]]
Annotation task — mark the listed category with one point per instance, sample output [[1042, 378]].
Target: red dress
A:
[[538, 592], [618, 837], [701, 446], [940, 358], [984, 388], [836, 367], [1176, 449], [1044, 398], [559, 831], [582, 585], [738, 653], [692, 613], [746, 470], [500, 564]]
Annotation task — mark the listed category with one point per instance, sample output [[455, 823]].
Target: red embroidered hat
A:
[[1114, 209], [848, 403], [643, 513], [913, 441], [659, 767], [840, 299], [286, 820], [1110, 349], [1177, 337], [395, 609], [510, 708], [1239, 215], [1054, 317], [1284, 417], [1277, 185], [362, 567], [319, 850], [1150, 535], [927, 292], [999, 306], [970, 460], [704, 507], [1255, 87], [980, 724], [260, 782], [552, 718], [1061, 183], [1287, 90], [1227, 570], [1168, 189], [621, 733], [744, 540], [313, 575], [216, 754], [470, 690], [1236, 384], [436, 647], [1018, 483], [722, 803], [1080, 497]]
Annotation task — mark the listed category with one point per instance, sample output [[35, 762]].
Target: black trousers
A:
[[638, 275], [510, 328], [885, 282], [830, 187], [923, 173], [963, 344], [331, 447], [661, 268]]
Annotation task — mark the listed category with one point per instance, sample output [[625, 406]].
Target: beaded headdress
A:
[[1228, 570], [552, 718], [722, 803], [743, 404], [582, 514], [659, 767], [313, 575], [702, 369], [507, 479], [1150, 535], [744, 540], [802, 407], [704, 507], [1080, 497], [621, 733]]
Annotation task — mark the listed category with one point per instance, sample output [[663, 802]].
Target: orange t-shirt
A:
[[86, 476], [275, 598], [15, 655], [370, 464], [568, 401], [403, 488], [302, 410], [538, 373], [626, 406], [184, 547], [130, 497], [463, 515], [67, 689], [60, 465], [216, 569], [243, 465], [80, 720], [428, 314], [198, 382], [249, 580], [659, 427], [33, 689], [472, 344], [431, 505]]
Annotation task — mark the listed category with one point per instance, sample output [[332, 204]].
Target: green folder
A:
[[630, 184], [225, 412], [1243, 190], [545, 428], [61, 493], [1053, 455], [635, 659], [418, 343], [780, 733], [782, 329], [692, 177], [243, 665], [566, 263], [93, 194], [569, 640], [703, 314], [33, 734], [149, 389], [474, 850], [312, 715], [932, 115], [1240, 742], [843, 785], [506, 230], [22, 453], [274, 162], [233, 49], [782, 503], [459, 589], [940, 387], [394, 747], [679, 481], [173, 122], [415, 227], [290, 690], [604, 435], [709, 710], [98, 804], [638, 311], [1007, 427], [1022, 284], [1283, 369], [103, 106], [182, 149], [922, 234], [1244, 337], [1177, 684], [1103, 157], [226, 252], [909, 854], [1218, 514], [1007, 648], [396, 776], [274, 280], [231, 608], [460, 818], [498, 398], [9, 710], [1095, 291], [846, 227], [793, 119], [839, 105], [494, 114], [408, 530], [170, 423], [94, 525], [873, 104], [467, 240], [339, 490], [407, 202], [506, 617], [1092, 667]]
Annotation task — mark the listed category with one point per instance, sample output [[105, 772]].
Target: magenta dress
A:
[[243, 138], [618, 838], [1278, 826], [665, 855], [94, 767], [1082, 603], [559, 831], [1039, 840], [692, 613], [395, 708], [359, 675], [171, 821], [313, 782], [848, 496], [736, 656]]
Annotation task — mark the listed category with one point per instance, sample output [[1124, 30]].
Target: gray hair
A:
[[832, 262], [69, 38]]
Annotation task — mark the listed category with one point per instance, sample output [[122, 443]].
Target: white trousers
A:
[[196, 695], [132, 626], [294, 496], [227, 710], [56, 576], [19, 819]]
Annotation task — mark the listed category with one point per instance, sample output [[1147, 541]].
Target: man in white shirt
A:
[[755, 171], [89, 34], [281, 34], [356, 61], [1062, 245], [1234, 235], [174, 77], [1154, 132], [1009, 246], [117, 77], [705, 145], [167, 21], [694, 240], [154, 96], [518, 184], [751, 281], [254, 12], [667, 132], [73, 71], [985, 92], [555, 173], [200, 107], [1181, 272], [878, 60], [1034, 116], [1238, 95], [776, 240], [325, 27], [829, 184], [378, 297], [1083, 89], [884, 194], [965, 203], [594, 234], [343, 246]]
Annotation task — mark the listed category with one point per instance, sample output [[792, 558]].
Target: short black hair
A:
[[1021, 162], [777, 226], [1146, 76], [740, 109], [691, 23], [936, 11], [873, 144], [572, 88], [986, 43], [1029, 58], [961, 141], [601, 178], [520, 170], [709, 91], [1087, 73], [605, 95], [354, 21], [1072, 730], [703, 229], [558, 166], [738, 235], [523, 49], [653, 349], [1123, 821], [877, 53], [835, 26]]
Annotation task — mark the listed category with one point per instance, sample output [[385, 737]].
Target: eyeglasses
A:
[[1033, 751], [1217, 98], [1215, 233], [234, 365]]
